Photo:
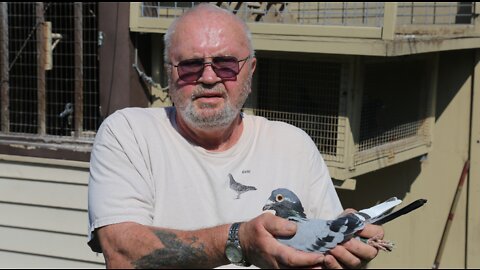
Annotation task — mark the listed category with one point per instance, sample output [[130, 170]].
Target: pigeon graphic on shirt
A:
[[238, 187]]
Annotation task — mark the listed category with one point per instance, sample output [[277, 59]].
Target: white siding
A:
[[51, 194], [22, 260], [43, 214]]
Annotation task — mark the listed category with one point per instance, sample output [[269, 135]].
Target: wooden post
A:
[[78, 28], [41, 82], [389, 21], [4, 77]]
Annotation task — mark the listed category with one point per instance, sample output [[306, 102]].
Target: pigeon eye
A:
[[279, 198]]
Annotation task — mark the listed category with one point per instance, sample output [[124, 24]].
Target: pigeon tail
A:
[[376, 212]]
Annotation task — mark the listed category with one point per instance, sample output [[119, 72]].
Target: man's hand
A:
[[263, 250], [354, 253]]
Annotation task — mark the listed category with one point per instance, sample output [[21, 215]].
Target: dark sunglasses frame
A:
[[225, 67]]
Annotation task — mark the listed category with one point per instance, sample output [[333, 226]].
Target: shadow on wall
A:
[[377, 186], [455, 68]]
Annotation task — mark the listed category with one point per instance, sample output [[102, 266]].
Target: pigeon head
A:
[[285, 204]]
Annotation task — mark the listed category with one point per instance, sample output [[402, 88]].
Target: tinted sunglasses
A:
[[226, 68]]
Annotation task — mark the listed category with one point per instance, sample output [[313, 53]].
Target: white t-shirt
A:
[[142, 170]]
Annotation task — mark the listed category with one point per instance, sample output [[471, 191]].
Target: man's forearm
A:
[[198, 249], [141, 246]]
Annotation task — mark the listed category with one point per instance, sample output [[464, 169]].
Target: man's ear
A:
[[253, 64]]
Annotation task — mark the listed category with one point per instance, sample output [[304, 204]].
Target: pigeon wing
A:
[[318, 235], [306, 235], [339, 231]]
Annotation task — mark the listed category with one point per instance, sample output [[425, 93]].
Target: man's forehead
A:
[[210, 21], [207, 38]]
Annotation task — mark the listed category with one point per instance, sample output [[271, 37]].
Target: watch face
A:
[[233, 253]]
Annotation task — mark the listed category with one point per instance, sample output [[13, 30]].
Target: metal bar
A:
[[78, 28], [4, 77], [451, 215], [41, 82]]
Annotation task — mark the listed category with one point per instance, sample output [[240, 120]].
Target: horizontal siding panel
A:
[[22, 261], [43, 193], [42, 218], [43, 172], [48, 244]]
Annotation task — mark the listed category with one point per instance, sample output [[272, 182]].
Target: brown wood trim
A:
[[120, 85], [44, 152], [78, 25], [4, 76], [41, 77], [56, 147]]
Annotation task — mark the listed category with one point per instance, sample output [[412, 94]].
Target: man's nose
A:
[[208, 75]]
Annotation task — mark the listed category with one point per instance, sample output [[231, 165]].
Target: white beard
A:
[[214, 119]]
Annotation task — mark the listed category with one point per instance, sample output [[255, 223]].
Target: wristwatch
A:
[[233, 250]]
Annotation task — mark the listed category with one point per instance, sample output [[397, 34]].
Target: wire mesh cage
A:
[[328, 13], [396, 106], [317, 13], [52, 69], [306, 94], [355, 123], [438, 13], [22, 67]]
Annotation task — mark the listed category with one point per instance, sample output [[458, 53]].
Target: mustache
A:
[[217, 90]]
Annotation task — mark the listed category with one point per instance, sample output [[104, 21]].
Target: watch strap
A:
[[235, 239]]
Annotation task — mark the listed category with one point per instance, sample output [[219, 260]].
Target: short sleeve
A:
[[120, 188]]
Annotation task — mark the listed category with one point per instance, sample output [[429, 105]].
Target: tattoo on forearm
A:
[[175, 253]]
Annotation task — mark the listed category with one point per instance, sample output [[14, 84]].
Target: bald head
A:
[[204, 17]]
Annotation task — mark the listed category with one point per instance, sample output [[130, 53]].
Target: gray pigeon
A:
[[238, 187], [317, 235]]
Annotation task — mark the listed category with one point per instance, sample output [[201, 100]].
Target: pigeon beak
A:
[[268, 205]]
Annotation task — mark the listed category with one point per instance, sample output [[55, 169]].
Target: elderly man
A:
[[166, 184]]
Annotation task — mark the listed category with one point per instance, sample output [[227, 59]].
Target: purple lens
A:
[[190, 70], [190, 77], [226, 67]]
